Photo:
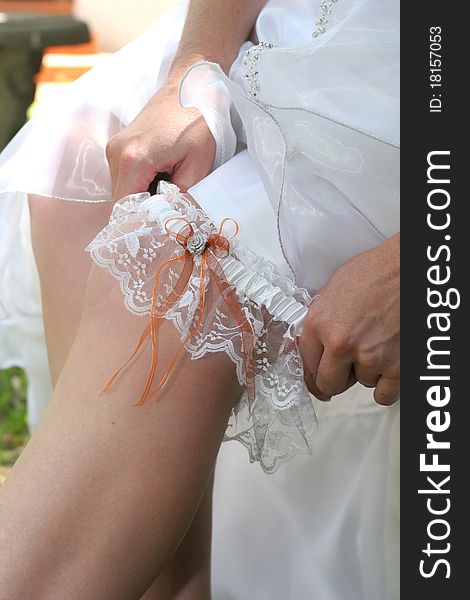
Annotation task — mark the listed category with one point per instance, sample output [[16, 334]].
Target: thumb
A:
[[130, 183]]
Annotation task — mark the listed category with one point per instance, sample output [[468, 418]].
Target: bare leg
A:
[[69, 227], [93, 533], [60, 231], [187, 575]]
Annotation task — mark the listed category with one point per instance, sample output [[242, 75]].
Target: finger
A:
[[188, 173], [130, 183], [366, 374], [311, 350], [352, 379], [313, 389], [387, 391], [134, 174], [333, 373]]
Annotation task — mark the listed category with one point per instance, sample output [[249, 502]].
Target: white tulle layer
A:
[[134, 245], [325, 149], [327, 526]]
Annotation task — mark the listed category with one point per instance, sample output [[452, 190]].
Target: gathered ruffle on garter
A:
[[172, 263]]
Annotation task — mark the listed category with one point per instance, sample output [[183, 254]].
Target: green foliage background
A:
[[13, 425]]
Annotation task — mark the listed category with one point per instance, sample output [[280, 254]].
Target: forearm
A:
[[215, 30]]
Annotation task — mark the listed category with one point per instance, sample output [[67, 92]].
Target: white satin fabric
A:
[[322, 171]]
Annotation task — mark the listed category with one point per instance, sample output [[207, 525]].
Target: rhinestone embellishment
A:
[[322, 19], [252, 55], [196, 244], [250, 62]]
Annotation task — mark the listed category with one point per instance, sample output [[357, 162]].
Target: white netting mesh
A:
[[135, 245]]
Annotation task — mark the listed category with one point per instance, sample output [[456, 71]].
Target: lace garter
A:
[[171, 263]]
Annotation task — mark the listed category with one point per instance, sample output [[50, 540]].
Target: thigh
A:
[[188, 575], [115, 486], [60, 230]]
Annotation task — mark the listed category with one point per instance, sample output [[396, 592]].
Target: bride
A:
[[181, 314]]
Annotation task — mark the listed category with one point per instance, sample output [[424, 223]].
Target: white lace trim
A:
[[245, 276], [133, 245]]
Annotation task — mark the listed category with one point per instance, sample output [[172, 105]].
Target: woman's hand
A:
[[352, 331], [164, 137]]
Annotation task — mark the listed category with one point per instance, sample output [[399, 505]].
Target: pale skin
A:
[[101, 555], [97, 483]]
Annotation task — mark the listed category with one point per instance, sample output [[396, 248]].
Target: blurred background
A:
[[44, 46]]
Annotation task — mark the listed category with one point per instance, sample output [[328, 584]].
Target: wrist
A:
[[183, 61]]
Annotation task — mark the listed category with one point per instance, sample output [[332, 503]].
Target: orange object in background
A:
[[62, 64], [59, 7], [64, 68]]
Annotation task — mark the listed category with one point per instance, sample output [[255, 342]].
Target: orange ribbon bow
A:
[[210, 251]]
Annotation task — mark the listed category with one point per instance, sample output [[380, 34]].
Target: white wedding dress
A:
[[307, 132]]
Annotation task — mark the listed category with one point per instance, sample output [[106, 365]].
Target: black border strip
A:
[[424, 132]]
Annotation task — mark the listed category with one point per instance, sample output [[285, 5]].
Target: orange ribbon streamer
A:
[[216, 247]]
